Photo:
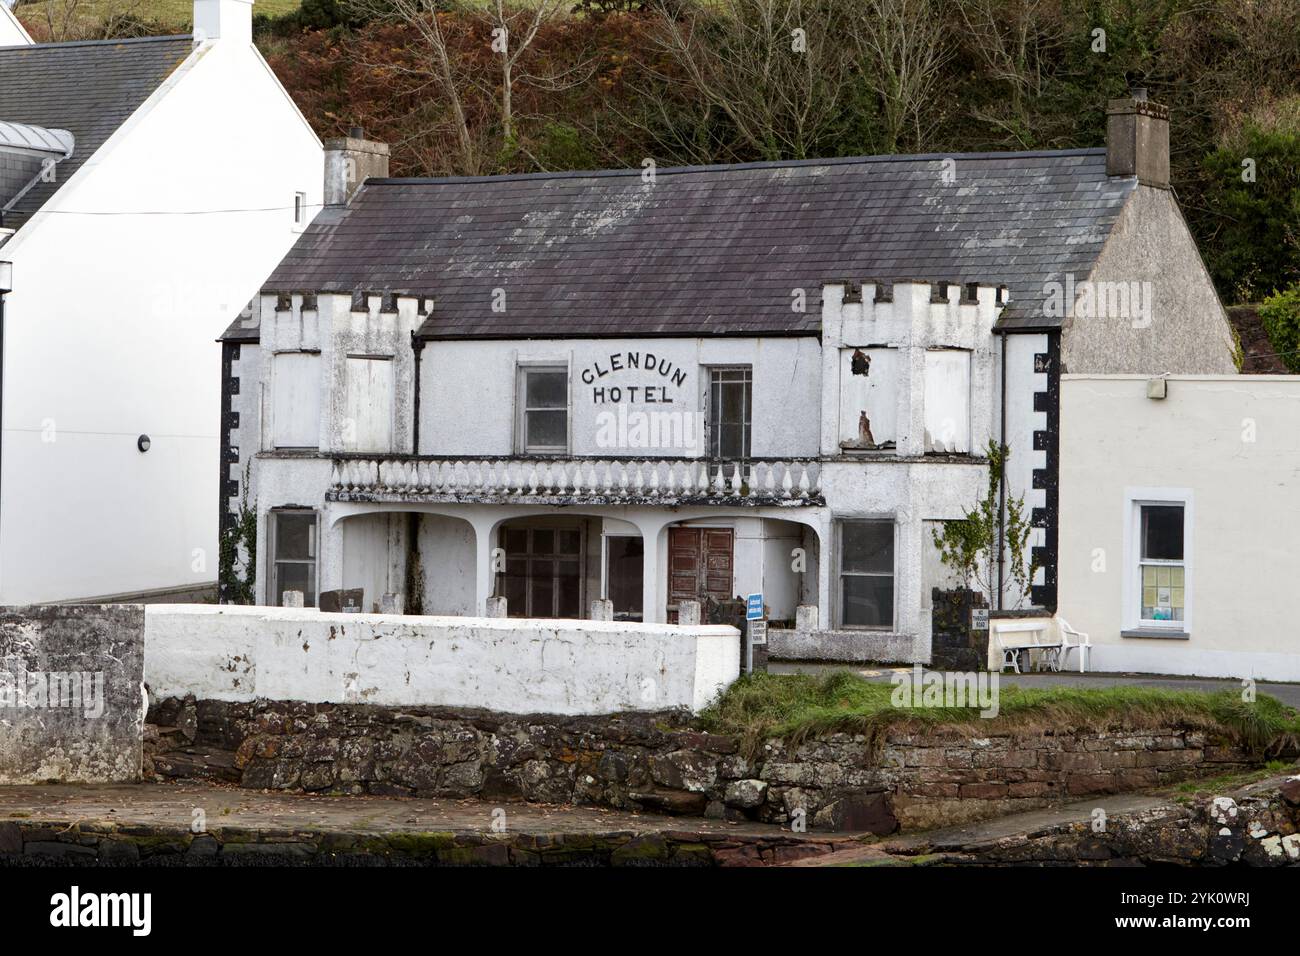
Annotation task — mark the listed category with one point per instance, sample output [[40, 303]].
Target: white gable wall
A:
[[12, 32], [111, 324]]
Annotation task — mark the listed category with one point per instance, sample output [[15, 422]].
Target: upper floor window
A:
[[869, 380], [300, 209], [544, 409], [947, 401], [730, 409], [367, 423], [295, 408]]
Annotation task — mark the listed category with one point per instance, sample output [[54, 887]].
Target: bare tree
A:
[[480, 114], [902, 47], [777, 69], [56, 21], [1016, 40]]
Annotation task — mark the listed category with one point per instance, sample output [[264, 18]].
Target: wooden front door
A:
[[700, 564]]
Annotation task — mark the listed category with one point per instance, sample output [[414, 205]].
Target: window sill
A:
[[1157, 632]]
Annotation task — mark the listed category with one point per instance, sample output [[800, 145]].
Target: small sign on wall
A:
[[757, 633], [979, 619]]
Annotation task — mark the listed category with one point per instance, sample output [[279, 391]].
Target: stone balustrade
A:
[[789, 482]]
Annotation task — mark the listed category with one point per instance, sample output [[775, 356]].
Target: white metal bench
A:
[[1025, 636]]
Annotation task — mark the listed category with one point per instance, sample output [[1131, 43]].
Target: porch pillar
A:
[[331, 550], [654, 571], [827, 558], [484, 575]]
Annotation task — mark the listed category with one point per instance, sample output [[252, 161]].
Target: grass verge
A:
[[801, 707]]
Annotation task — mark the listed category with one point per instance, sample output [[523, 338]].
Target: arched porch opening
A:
[[426, 558]]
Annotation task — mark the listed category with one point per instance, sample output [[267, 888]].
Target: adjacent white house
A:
[[1178, 529], [12, 32], [146, 188], [698, 383]]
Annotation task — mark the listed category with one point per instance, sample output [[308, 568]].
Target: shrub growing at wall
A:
[[1281, 317]]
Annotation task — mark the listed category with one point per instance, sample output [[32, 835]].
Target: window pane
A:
[[567, 604], [516, 540], [567, 541], [296, 577], [867, 546], [867, 601], [547, 389], [1162, 532], [547, 429], [295, 537], [541, 590]]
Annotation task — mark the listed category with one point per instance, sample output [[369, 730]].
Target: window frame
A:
[[356, 446], [552, 559], [300, 210], [1134, 625], [274, 562], [276, 423], [968, 424], [839, 573], [522, 370], [711, 432]]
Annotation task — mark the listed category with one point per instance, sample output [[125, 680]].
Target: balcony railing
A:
[[782, 482]]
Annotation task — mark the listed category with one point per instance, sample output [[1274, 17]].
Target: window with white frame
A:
[[543, 409], [300, 209], [1158, 549], [1162, 564], [866, 574], [295, 397], [293, 555]]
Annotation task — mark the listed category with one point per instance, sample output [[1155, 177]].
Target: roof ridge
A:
[[70, 44], [720, 167]]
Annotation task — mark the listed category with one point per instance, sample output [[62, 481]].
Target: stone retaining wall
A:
[[658, 762]]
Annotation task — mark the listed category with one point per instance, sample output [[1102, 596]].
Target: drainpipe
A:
[[417, 348], [1002, 484]]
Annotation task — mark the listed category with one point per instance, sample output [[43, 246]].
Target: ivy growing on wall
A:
[[239, 551], [969, 545]]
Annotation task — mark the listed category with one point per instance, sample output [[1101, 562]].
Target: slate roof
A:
[[711, 249], [88, 88]]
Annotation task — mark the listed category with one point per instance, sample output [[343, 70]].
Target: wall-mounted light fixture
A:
[[143, 443]]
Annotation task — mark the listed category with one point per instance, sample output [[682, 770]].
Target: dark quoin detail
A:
[[1048, 477]]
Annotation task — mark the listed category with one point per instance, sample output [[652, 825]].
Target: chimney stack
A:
[[223, 20], [1137, 139], [349, 162]]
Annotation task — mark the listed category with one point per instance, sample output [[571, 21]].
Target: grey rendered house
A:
[[650, 386]]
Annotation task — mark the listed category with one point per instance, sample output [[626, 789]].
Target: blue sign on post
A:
[[754, 607]]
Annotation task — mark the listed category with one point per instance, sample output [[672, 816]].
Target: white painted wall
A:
[[513, 666], [1232, 442], [468, 391], [12, 32], [111, 325]]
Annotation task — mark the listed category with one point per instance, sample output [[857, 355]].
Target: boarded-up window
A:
[[868, 398], [295, 411], [947, 401], [368, 412]]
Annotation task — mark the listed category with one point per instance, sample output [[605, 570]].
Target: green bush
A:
[[1281, 316], [1257, 248]]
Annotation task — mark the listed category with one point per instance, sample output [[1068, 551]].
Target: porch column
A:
[[484, 576], [654, 570], [827, 560], [331, 549]]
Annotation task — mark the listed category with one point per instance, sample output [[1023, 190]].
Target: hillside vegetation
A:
[[616, 83]]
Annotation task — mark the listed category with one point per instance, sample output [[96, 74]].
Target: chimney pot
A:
[[1137, 139]]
